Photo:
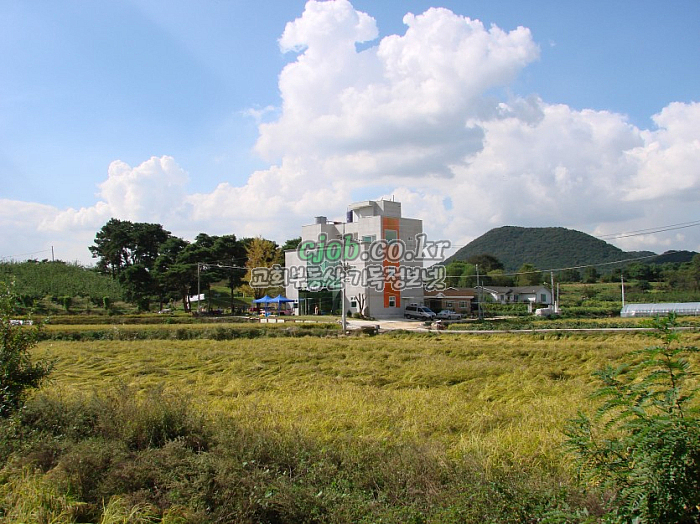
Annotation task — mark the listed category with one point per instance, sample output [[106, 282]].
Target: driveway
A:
[[389, 325]]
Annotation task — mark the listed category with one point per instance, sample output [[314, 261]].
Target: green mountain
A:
[[674, 257], [545, 247]]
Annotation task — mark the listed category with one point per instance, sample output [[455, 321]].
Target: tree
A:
[[497, 277], [639, 271], [217, 258], [291, 244], [468, 278], [486, 263], [362, 304], [121, 243], [260, 252], [643, 443], [529, 275], [18, 373], [591, 275], [461, 274], [128, 252], [570, 275], [231, 254], [694, 272], [174, 271], [139, 285], [110, 246]]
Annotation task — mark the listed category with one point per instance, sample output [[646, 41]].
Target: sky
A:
[[252, 118]]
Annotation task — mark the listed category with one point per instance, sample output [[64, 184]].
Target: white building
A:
[[376, 253], [514, 295]]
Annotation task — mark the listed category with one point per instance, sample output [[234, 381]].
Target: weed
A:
[[644, 440]]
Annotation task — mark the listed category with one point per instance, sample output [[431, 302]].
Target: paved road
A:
[[390, 325], [419, 325]]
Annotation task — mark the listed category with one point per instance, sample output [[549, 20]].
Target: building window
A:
[[392, 301], [369, 238], [543, 298], [449, 304], [353, 303], [463, 303], [391, 234]]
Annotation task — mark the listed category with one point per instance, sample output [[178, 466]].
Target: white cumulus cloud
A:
[[426, 117], [399, 108]]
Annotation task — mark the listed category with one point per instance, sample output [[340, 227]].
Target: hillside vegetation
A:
[[36, 281], [544, 247]]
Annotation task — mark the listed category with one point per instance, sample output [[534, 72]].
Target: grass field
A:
[[472, 408], [504, 397]]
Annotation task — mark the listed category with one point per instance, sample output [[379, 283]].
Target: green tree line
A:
[[153, 265], [678, 276]]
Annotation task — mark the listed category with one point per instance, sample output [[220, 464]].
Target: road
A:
[[419, 325]]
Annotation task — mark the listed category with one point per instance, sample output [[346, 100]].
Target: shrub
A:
[[17, 372], [643, 444], [66, 302]]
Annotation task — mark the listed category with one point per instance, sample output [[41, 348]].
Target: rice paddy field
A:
[[504, 396], [392, 428]]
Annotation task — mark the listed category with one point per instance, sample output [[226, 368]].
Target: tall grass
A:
[[504, 396], [399, 428]]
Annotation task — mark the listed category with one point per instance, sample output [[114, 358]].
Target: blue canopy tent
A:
[[264, 300], [279, 300]]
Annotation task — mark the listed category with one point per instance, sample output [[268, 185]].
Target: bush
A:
[[18, 373], [643, 444], [67, 302]]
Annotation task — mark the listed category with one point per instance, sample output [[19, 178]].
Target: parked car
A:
[[420, 312], [448, 314]]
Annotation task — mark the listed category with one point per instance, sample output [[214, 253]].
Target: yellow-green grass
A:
[[500, 399], [532, 322], [133, 328], [203, 329]]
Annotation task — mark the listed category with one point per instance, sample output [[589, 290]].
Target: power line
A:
[[650, 231], [584, 266], [638, 232], [25, 254], [561, 268]]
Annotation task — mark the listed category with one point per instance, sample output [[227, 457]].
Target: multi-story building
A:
[[373, 259]]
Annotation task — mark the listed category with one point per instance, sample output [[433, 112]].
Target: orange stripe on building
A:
[[389, 291]]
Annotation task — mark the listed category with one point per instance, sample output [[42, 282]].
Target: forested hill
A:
[[545, 247]]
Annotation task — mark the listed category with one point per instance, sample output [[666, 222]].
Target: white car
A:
[[419, 312], [448, 314]]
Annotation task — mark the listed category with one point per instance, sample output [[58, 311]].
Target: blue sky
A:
[[176, 112]]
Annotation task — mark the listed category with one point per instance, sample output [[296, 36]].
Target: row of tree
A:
[[489, 271], [152, 264]]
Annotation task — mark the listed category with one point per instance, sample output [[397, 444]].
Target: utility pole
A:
[[554, 302], [344, 265], [199, 285], [622, 281], [344, 318], [480, 291]]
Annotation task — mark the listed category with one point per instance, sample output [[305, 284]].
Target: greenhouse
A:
[[652, 310]]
